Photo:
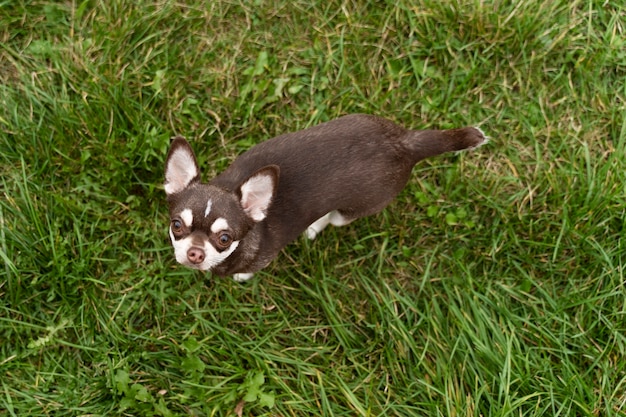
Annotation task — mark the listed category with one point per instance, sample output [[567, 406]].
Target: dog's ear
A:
[[181, 167], [257, 192]]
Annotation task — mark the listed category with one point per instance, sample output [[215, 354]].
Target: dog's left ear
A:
[[181, 167], [257, 192]]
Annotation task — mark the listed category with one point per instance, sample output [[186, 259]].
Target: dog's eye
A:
[[224, 239], [177, 226]]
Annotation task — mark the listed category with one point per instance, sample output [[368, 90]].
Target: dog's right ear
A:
[[181, 167]]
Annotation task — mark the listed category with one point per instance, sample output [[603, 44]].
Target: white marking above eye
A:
[[207, 211], [219, 225], [187, 217]]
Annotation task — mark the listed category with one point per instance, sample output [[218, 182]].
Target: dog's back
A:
[[354, 165]]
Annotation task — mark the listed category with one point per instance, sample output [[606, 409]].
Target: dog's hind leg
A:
[[243, 277], [334, 217], [317, 226]]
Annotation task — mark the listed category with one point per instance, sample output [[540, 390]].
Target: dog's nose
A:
[[195, 255]]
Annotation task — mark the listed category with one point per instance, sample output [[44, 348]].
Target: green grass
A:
[[493, 286]]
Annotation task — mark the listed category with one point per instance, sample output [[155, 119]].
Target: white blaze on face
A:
[[207, 211], [212, 257]]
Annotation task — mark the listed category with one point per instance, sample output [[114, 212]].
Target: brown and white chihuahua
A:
[[332, 173]]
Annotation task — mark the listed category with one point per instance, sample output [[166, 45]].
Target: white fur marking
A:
[[207, 211], [334, 217], [317, 226], [219, 225], [212, 256], [180, 170], [187, 217], [242, 277]]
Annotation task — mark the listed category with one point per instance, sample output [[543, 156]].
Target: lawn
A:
[[493, 286]]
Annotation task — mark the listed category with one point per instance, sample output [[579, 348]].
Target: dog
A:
[[331, 173]]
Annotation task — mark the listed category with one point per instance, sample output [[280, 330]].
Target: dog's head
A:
[[209, 223]]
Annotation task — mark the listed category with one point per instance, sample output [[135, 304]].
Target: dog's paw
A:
[[243, 277], [311, 233]]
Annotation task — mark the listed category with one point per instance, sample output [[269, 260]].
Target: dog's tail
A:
[[426, 143]]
